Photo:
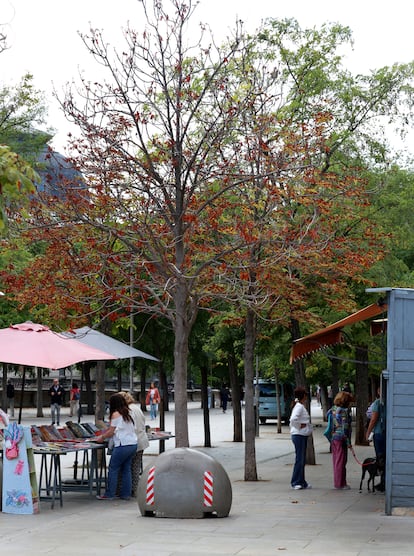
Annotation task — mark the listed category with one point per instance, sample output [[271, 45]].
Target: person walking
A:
[[56, 393], [341, 438], [10, 397], [74, 400], [224, 397], [122, 429], [300, 430], [153, 399]]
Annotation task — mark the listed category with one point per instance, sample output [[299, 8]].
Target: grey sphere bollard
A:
[[184, 483]]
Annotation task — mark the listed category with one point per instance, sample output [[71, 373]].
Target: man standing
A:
[[10, 397], [56, 392], [377, 426]]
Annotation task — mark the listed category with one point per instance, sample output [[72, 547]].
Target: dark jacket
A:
[[57, 394], [10, 391]]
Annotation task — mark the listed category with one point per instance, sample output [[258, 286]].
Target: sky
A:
[[43, 37]]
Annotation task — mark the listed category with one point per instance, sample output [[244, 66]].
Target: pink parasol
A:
[[35, 345]]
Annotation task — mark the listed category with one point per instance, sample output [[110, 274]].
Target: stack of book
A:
[[72, 432], [79, 430]]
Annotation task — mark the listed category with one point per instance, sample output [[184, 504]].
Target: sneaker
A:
[[297, 487], [308, 486], [103, 497], [346, 487]]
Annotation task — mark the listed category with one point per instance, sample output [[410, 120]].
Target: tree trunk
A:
[[119, 379], [142, 393], [278, 403], [4, 401], [298, 365], [39, 392], [22, 369], [250, 469], [100, 391], [182, 328], [235, 396], [361, 387], [206, 410], [324, 401], [335, 364], [88, 387], [164, 387]]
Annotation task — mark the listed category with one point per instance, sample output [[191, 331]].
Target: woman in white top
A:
[[143, 443], [122, 429], [300, 429]]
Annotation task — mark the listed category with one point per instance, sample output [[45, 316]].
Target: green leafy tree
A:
[[22, 109], [16, 183]]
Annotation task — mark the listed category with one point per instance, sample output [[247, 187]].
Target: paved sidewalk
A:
[[267, 517]]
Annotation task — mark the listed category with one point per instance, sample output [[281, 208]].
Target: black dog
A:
[[373, 467]]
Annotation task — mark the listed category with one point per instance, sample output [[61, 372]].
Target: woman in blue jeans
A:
[[300, 429], [122, 429]]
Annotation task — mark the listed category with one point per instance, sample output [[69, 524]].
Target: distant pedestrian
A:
[[153, 399], [224, 397], [74, 400], [300, 429], [330, 397], [10, 397], [56, 393], [209, 396]]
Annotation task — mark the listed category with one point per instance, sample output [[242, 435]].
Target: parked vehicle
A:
[[268, 401]]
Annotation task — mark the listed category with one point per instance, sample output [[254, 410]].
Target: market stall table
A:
[[93, 476], [93, 465], [161, 436]]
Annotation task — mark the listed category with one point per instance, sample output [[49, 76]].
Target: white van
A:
[[268, 402]]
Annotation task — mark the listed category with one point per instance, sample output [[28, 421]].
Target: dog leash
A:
[[355, 456]]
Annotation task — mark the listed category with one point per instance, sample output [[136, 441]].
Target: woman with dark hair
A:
[[341, 438], [139, 422], [122, 429], [300, 429]]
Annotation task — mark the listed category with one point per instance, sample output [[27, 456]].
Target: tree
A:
[[16, 183], [22, 108], [156, 163]]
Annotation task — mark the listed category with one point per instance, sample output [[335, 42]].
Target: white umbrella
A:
[[98, 340]]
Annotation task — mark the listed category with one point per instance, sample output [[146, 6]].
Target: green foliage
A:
[[22, 108], [393, 203], [16, 183]]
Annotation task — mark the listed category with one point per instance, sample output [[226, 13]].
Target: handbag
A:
[[329, 427], [111, 445]]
